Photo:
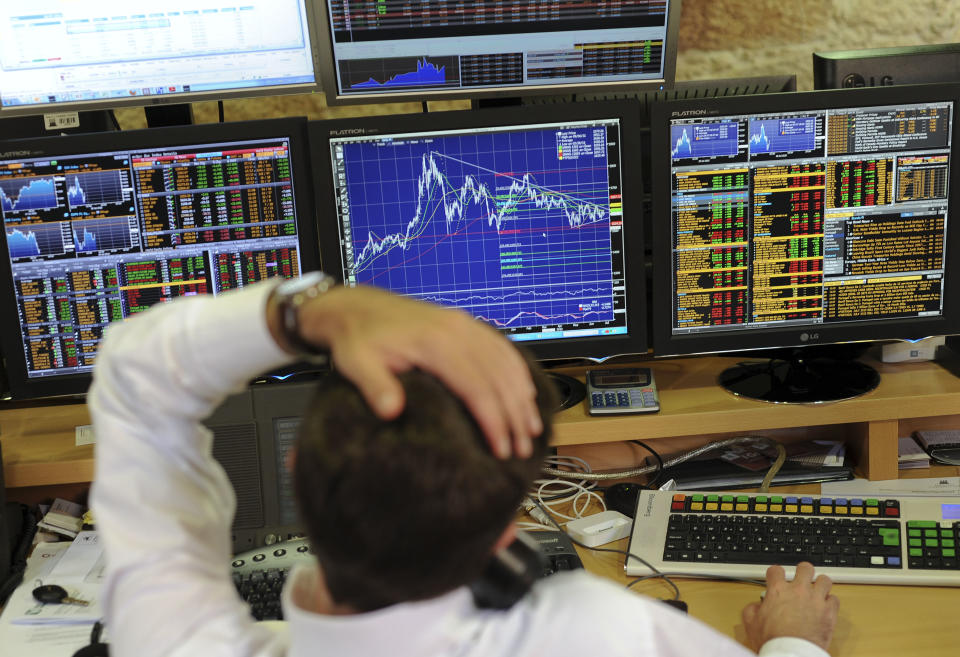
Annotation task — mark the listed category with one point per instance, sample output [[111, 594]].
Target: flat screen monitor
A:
[[524, 217], [100, 227], [800, 219], [65, 54], [876, 67], [395, 50]]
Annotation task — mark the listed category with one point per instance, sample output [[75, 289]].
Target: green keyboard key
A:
[[872, 502], [916, 542], [776, 500], [931, 542], [713, 498], [948, 543], [761, 499], [949, 553], [914, 532], [916, 552], [930, 533], [890, 535], [697, 498], [727, 498], [921, 524]]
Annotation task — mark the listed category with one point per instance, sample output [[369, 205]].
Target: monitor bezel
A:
[[665, 343], [311, 11], [328, 74], [11, 340], [596, 348]]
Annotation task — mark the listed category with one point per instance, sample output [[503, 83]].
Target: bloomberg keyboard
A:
[[905, 540], [259, 574]]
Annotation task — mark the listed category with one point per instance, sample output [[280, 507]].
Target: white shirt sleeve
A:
[[788, 646], [162, 504]]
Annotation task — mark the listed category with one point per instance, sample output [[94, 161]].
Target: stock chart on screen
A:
[[519, 226]]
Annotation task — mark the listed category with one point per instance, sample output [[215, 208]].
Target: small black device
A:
[[623, 498], [883, 67], [624, 390]]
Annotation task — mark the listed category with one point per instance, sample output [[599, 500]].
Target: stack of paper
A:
[[912, 455], [30, 628]]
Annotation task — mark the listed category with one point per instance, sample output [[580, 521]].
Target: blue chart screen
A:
[[32, 194], [778, 135], [426, 74], [514, 227], [703, 140]]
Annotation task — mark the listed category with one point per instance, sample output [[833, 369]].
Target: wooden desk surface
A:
[[874, 621]]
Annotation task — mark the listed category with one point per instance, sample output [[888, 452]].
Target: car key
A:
[[53, 594]]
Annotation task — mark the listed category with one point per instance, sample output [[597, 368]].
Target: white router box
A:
[[600, 528]]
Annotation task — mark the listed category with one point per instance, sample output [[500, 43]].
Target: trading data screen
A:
[[520, 226], [809, 217], [65, 51], [97, 237], [395, 46]]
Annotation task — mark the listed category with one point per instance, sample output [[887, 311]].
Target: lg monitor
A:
[[881, 67], [60, 55], [391, 50], [801, 219], [523, 217], [98, 228]]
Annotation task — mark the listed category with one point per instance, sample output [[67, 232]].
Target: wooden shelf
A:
[[39, 440], [695, 409], [39, 445]]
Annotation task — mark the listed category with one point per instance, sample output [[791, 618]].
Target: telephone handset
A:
[[509, 574]]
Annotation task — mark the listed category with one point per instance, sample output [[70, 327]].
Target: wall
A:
[[718, 38]]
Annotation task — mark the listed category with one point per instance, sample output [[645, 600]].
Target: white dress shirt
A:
[[164, 506]]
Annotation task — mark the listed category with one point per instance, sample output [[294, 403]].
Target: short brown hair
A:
[[406, 509]]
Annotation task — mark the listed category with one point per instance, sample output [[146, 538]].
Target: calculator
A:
[[623, 390]]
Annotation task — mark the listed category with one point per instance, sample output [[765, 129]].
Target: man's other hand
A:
[[801, 608]]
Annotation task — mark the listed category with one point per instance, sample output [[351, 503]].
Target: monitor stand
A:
[[801, 376], [162, 116]]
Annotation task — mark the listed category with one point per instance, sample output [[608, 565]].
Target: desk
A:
[[874, 621]]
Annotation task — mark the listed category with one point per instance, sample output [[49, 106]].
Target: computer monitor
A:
[[64, 54], [99, 227], [524, 217], [876, 67], [391, 50], [799, 219]]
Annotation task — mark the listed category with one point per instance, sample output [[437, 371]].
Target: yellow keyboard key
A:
[[791, 508], [841, 510], [826, 509], [776, 508], [696, 506], [761, 508], [712, 506], [743, 507], [806, 508], [726, 506], [873, 511], [856, 510]]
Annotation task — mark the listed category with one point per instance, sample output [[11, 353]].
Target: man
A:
[[164, 506]]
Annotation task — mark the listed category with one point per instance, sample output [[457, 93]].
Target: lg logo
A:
[[857, 80], [807, 337]]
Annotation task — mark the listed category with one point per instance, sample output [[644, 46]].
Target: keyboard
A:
[[259, 574], [905, 540]]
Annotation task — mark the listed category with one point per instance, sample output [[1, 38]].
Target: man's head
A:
[[406, 509]]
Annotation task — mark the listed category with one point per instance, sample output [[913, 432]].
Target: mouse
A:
[[623, 498]]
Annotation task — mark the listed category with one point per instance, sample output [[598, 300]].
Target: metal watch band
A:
[[290, 303]]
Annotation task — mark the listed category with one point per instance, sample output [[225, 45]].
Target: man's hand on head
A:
[[802, 608], [374, 335]]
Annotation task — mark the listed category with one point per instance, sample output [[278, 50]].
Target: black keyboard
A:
[[259, 574]]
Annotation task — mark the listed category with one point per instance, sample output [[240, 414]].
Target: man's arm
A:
[[164, 505]]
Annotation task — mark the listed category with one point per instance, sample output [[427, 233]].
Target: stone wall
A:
[[718, 38]]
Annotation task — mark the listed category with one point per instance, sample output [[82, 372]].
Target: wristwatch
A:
[[290, 296]]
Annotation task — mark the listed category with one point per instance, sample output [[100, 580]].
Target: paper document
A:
[[933, 487]]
